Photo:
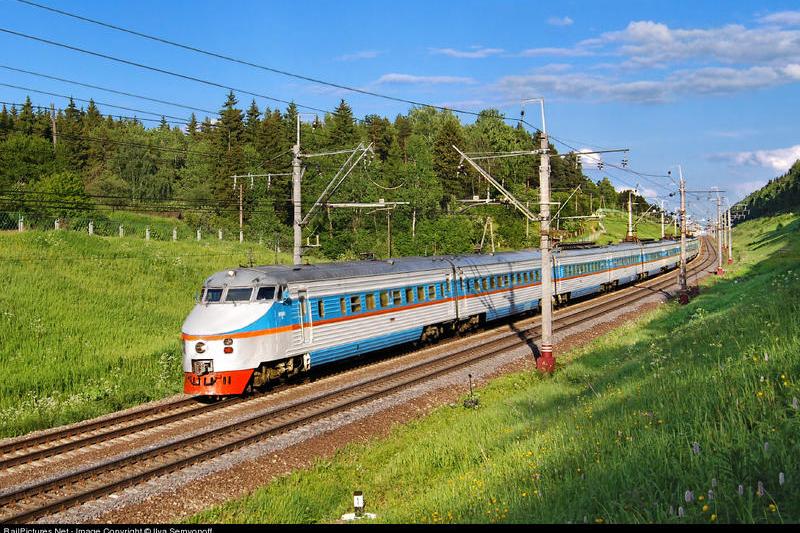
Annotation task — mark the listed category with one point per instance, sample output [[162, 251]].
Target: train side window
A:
[[397, 297], [320, 308], [445, 288], [213, 295], [486, 284], [370, 301], [265, 293], [355, 304], [420, 294], [343, 306], [493, 282], [384, 299], [409, 295], [431, 292]]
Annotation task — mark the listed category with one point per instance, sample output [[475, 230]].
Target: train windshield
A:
[[265, 294], [238, 295], [212, 295]]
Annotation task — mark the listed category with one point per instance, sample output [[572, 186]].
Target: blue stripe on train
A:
[[343, 351], [350, 349]]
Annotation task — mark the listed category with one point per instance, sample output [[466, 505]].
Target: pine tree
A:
[[228, 139], [252, 125], [163, 125], [26, 119], [446, 160], [191, 128], [342, 132]]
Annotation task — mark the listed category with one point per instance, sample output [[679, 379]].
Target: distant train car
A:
[[254, 325]]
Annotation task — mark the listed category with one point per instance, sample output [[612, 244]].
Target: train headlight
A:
[[227, 342], [200, 347]]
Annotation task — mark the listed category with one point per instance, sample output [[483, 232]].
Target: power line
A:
[[156, 69], [46, 108], [92, 101], [114, 91], [242, 61]]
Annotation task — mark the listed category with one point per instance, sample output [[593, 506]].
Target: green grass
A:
[[614, 228], [696, 398], [89, 325]]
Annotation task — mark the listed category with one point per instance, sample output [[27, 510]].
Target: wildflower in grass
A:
[[766, 446], [688, 496], [701, 498], [740, 490], [681, 512], [760, 394], [781, 479], [706, 508], [713, 517], [760, 491], [599, 520], [714, 482], [710, 495], [773, 507], [766, 356], [696, 448]]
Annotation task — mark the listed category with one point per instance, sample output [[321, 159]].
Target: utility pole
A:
[[720, 271], [54, 132], [730, 238], [684, 297], [546, 360], [629, 236], [296, 201], [545, 363], [662, 220], [389, 231], [241, 216]]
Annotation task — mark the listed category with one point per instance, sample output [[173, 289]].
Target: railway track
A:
[[38, 499]]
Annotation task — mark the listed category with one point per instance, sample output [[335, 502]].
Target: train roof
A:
[[282, 274]]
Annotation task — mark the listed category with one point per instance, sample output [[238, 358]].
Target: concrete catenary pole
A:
[[682, 186], [241, 216], [662, 220], [730, 239], [720, 271], [629, 236], [545, 363], [296, 191]]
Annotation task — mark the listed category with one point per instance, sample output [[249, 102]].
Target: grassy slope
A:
[[616, 227], [91, 324], [609, 437]]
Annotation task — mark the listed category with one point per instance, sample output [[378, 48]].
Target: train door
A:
[[306, 321]]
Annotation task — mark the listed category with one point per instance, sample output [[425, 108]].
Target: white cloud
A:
[[782, 18], [560, 21], [779, 159], [364, 54], [410, 79], [474, 53], [555, 52], [648, 43], [709, 80]]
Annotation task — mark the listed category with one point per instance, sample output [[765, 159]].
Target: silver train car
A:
[[254, 325]]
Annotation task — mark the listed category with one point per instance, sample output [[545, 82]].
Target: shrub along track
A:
[[39, 499]]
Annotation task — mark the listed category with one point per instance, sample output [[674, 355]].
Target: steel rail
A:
[[275, 421]]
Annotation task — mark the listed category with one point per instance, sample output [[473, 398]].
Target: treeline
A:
[[779, 195], [84, 164]]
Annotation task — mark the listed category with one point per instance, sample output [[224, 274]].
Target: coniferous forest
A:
[[93, 165]]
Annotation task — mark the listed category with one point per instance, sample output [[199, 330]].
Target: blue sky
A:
[[712, 86]]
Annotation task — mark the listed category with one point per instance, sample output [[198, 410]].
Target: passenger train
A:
[[254, 325]]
